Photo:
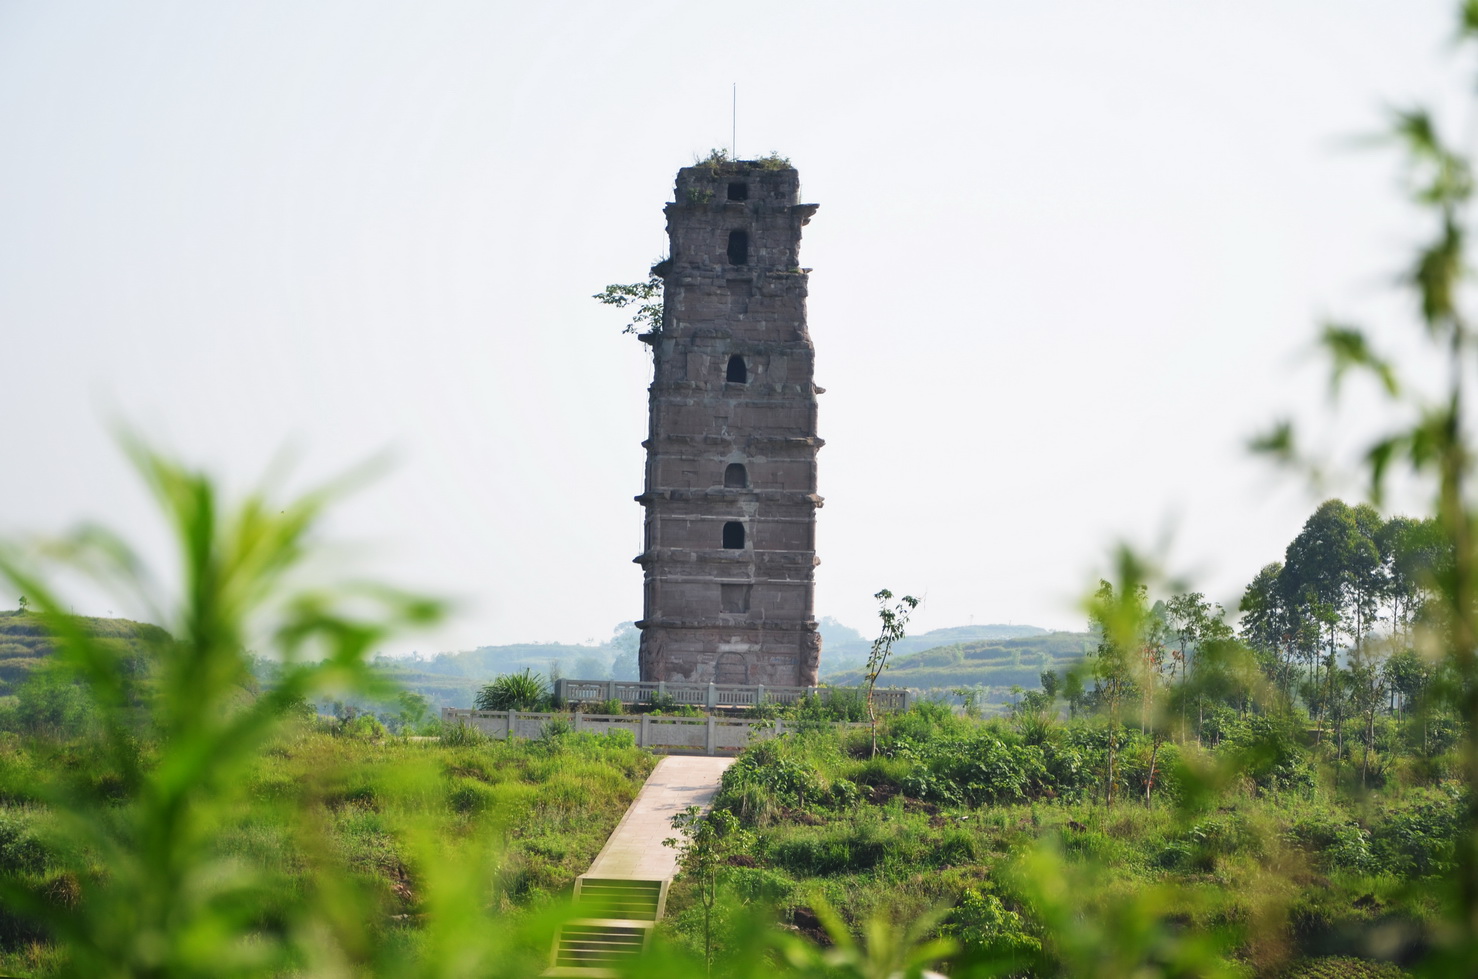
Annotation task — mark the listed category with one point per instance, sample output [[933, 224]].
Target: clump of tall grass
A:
[[514, 691]]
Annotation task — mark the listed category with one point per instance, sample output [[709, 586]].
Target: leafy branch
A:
[[894, 619], [646, 296]]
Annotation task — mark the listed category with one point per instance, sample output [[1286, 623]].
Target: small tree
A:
[[25, 604], [646, 296], [1120, 619], [708, 841], [894, 619]]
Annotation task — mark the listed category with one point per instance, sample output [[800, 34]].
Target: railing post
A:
[[759, 694], [641, 741], [508, 736], [712, 698], [577, 722], [661, 688], [708, 740], [610, 689]]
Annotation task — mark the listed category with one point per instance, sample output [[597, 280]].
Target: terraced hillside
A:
[[1001, 663], [26, 642]]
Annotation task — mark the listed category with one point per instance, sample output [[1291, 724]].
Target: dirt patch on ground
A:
[[910, 804], [804, 921]]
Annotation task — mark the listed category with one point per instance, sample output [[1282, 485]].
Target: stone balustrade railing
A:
[[705, 735], [716, 695]]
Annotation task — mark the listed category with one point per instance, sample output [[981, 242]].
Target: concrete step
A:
[[625, 891], [597, 946], [607, 897]]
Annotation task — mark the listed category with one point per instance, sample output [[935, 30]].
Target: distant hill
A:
[[997, 663], [844, 648], [990, 655], [453, 679], [26, 642]]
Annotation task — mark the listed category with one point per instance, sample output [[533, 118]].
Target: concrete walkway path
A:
[[626, 887], [635, 849]]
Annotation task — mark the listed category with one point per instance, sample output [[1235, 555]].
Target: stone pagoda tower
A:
[[730, 498]]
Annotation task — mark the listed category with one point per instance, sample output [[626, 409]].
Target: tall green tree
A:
[[1119, 619], [1413, 552], [1316, 567], [1365, 572], [1433, 441], [1187, 617]]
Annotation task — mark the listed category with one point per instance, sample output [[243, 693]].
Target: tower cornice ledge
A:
[[746, 625], [726, 559], [722, 493]]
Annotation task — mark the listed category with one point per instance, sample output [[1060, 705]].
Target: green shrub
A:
[[366, 727], [843, 850], [20, 851], [1419, 840], [842, 704], [751, 884], [785, 780], [660, 703], [985, 770], [53, 704], [1070, 773], [922, 721], [514, 691], [1342, 967], [767, 710], [471, 796], [987, 928], [619, 737], [1267, 750], [955, 846], [844, 793], [458, 734]]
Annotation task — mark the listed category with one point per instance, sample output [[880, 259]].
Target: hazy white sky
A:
[[1069, 256]]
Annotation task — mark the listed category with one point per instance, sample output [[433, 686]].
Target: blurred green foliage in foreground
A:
[[170, 819]]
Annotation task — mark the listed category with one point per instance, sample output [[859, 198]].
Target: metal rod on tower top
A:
[[734, 124]]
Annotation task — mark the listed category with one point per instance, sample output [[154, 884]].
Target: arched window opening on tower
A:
[[738, 247], [739, 192], [735, 476], [737, 372], [733, 536]]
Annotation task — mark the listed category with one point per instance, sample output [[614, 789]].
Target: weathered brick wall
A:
[[733, 288]]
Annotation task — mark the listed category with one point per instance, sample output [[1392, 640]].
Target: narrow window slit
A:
[[738, 247], [734, 536], [737, 372]]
